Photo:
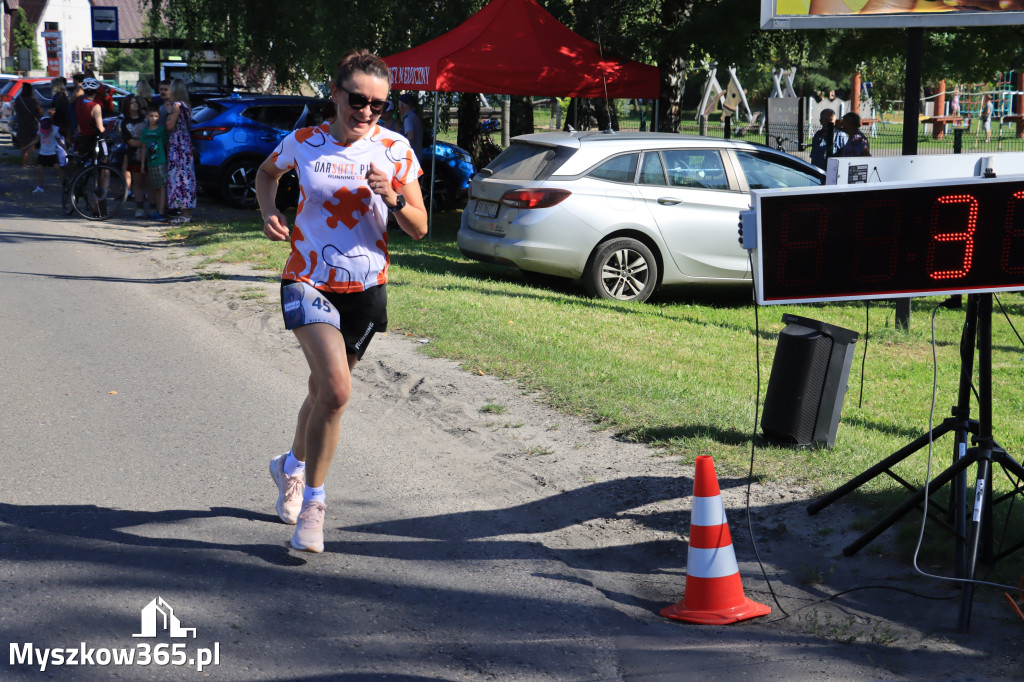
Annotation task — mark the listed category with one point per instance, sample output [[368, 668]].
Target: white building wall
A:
[[74, 19]]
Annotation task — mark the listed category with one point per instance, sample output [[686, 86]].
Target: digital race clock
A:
[[886, 240]]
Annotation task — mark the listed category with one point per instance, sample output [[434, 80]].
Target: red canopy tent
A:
[[515, 47]]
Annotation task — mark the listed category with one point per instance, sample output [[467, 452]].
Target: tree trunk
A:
[[521, 115], [580, 114], [606, 115], [469, 124], [673, 85], [674, 16]]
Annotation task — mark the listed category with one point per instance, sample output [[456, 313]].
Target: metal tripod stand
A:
[[977, 535]]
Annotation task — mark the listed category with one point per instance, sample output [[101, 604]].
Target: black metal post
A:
[[911, 109]]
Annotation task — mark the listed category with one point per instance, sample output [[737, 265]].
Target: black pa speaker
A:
[[808, 382]]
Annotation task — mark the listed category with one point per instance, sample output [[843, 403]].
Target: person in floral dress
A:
[[181, 171]]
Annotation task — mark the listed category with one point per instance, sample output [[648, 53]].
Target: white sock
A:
[[311, 494], [292, 466]]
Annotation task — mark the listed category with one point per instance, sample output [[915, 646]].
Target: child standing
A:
[[154, 161], [48, 142]]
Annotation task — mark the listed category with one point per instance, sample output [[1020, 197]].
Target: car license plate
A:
[[487, 209]]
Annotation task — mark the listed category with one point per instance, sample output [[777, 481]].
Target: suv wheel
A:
[[238, 186], [622, 269]]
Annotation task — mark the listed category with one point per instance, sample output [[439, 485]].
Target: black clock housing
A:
[[889, 240]]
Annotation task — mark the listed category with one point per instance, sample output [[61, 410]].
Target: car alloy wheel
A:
[[239, 185], [622, 269]]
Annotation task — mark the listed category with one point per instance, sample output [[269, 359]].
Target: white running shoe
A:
[[289, 491], [309, 533]]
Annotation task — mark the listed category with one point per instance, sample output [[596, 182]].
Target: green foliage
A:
[[23, 35], [304, 45], [118, 59]]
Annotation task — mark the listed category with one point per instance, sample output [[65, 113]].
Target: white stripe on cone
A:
[[708, 511], [711, 563]]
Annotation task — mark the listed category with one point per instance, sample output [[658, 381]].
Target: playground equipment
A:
[[731, 98], [780, 75]]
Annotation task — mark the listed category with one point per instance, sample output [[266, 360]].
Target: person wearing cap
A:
[[49, 139], [387, 119], [412, 127]]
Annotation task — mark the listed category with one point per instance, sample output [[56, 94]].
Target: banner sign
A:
[[54, 53], [782, 14], [104, 24]]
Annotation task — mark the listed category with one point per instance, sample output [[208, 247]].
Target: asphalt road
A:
[[135, 433]]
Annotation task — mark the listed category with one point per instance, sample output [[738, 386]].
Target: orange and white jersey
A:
[[339, 240]]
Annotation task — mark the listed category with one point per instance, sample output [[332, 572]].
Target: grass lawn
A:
[[681, 372]]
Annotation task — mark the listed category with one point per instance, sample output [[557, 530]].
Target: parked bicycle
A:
[[489, 148], [94, 187]]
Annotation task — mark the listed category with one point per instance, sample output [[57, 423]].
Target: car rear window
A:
[[7, 88], [765, 171], [279, 116], [617, 169], [526, 161], [209, 111]]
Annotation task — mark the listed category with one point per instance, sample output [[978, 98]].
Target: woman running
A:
[[352, 174]]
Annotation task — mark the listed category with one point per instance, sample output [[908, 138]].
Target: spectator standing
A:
[[821, 150], [162, 99], [987, 111], [60, 108], [387, 120], [181, 171], [154, 161], [28, 113], [133, 119], [857, 145], [75, 89], [412, 126], [49, 140], [145, 93]]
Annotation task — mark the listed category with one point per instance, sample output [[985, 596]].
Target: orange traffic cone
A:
[[714, 592]]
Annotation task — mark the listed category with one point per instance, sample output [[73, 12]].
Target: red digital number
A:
[[802, 229], [938, 237], [874, 257], [1011, 259]]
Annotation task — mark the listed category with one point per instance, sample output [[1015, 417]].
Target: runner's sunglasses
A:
[[358, 101]]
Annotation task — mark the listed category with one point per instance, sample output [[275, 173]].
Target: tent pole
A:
[[656, 110], [433, 169]]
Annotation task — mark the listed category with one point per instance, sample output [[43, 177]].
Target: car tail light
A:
[[208, 133], [534, 198]]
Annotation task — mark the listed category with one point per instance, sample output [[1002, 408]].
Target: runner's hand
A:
[[275, 226], [380, 184]]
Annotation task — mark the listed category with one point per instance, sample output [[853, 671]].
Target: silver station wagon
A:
[[625, 211]]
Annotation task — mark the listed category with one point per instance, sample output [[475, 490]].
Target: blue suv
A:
[[454, 164], [233, 135]]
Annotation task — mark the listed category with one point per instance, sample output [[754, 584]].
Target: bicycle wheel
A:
[[99, 192], [65, 191]]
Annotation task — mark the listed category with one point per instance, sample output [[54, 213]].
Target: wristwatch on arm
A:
[[399, 204]]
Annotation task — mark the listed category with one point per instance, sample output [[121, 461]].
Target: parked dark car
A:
[[233, 135], [44, 94], [454, 165]]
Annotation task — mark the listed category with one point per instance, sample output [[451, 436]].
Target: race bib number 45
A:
[[302, 305]]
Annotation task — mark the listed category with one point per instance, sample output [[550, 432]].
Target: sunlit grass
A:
[[681, 372]]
